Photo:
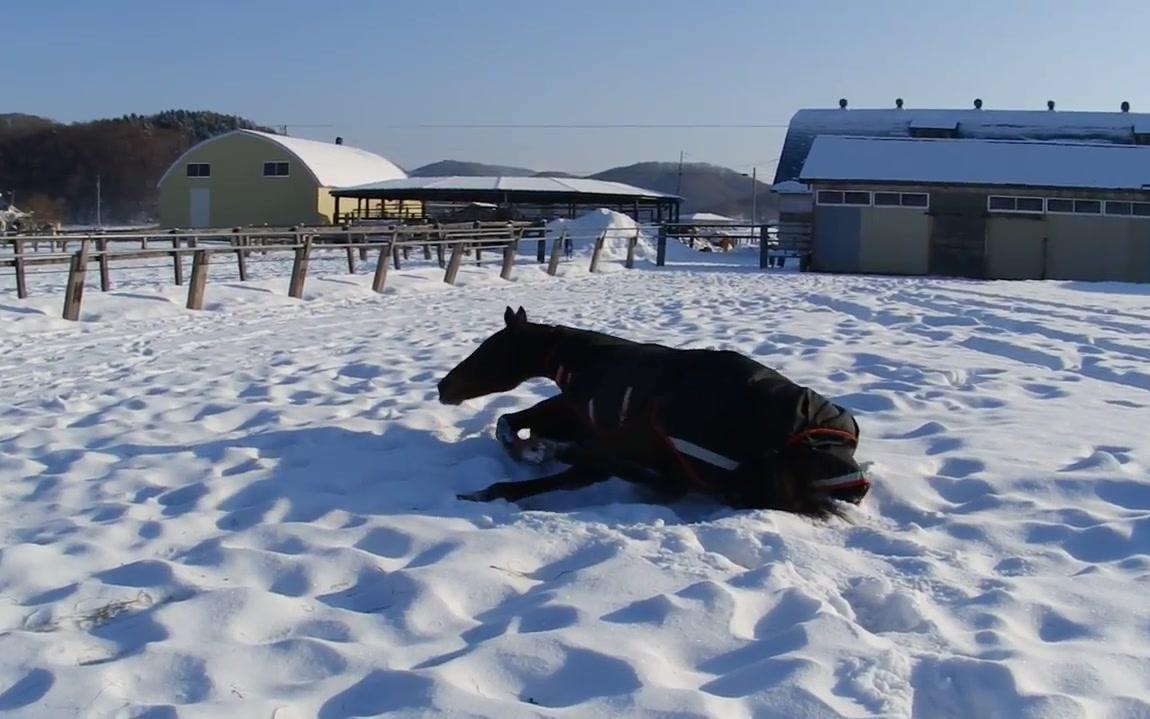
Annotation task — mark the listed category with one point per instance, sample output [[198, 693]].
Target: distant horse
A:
[[709, 421]]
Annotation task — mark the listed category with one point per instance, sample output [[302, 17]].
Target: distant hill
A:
[[52, 167], [704, 187]]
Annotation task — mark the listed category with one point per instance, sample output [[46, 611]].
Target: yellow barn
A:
[[248, 178]]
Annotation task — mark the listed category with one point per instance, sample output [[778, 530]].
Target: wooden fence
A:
[[392, 244]]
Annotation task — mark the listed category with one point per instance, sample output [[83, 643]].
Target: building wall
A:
[[960, 236], [239, 193]]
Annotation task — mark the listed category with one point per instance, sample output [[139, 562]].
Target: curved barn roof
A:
[[332, 165]]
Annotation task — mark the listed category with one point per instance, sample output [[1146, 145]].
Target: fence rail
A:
[[393, 243]]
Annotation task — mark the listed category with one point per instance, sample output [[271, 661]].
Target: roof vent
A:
[[1050, 104], [978, 103], [898, 102], [842, 103], [339, 140], [1125, 106]]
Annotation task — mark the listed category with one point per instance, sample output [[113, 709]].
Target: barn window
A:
[[901, 199], [830, 197], [199, 169], [1118, 208], [1140, 209], [1087, 207], [856, 198], [1008, 203], [275, 169], [1058, 205]]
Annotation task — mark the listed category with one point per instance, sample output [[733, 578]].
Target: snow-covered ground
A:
[[250, 511]]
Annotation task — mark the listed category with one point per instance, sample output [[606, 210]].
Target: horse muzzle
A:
[[446, 395]]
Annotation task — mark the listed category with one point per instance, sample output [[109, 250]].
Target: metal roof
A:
[[1055, 125], [332, 165], [470, 186], [978, 162]]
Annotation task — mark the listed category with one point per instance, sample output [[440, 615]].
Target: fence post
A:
[[631, 244], [556, 247], [380, 277], [509, 255], [395, 253], [241, 258], [299, 269], [764, 248], [75, 291], [351, 260], [599, 242], [178, 265], [453, 264], [439, 255], [661, 248], [541, 249], [105, 279], [198, 281], [21, 279]]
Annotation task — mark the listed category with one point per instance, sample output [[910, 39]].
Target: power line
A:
[[583, 126]]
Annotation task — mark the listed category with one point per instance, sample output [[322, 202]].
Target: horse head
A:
[[497, 365]]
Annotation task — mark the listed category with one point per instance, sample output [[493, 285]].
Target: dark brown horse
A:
[[709, 421]]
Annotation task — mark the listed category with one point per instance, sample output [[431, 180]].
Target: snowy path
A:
[[250, 511]]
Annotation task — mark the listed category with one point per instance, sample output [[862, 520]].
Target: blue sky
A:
[[374, 71]]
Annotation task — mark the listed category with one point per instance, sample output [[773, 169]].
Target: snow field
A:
[[250, 511]]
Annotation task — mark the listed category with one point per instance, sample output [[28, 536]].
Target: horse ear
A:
[[521, 315], [509, 316]]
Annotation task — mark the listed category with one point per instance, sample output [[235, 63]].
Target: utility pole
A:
[[99, 222], [754, 197]]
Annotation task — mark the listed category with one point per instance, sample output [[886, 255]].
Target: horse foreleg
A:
[[552, 423], [570, 478]]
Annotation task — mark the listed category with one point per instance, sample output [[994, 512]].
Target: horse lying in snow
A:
[[676, 420]]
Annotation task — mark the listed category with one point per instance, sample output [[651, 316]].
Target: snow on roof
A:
[[332, 165], [512, 184], [335, 165], [978, 162], [805, 125]]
